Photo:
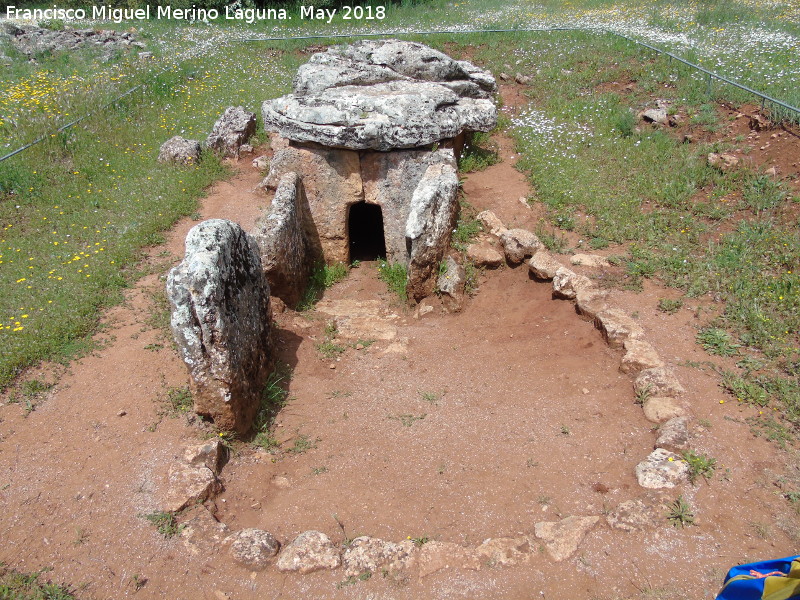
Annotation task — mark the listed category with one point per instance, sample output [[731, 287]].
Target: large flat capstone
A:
[[383, 95]]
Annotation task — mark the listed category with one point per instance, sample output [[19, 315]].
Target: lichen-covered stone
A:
[[372, 555], [280, 234], [221, 322], [234, 128], [179, 151], [661, 469], [383, 95], [310, 551], [431, 218], [450, 284], [253, 548]]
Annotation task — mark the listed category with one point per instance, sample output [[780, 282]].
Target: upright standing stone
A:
[[221, 322], [285, 255], [434, 207]]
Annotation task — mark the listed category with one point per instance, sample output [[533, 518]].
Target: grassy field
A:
[[77, 209]]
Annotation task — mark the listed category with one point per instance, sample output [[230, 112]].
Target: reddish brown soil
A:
[[527, 419]]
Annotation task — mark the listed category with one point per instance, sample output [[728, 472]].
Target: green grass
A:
[[302, 444], [467, 226], [179, 400], [479, 154], [700, 465], [322, 277], [273, 398], [669, 305], [680, 513], [76, 210], [395, 276], [20, 586], [165, 523], [717, 341]]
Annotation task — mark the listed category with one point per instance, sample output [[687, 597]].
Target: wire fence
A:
[[778, 110]]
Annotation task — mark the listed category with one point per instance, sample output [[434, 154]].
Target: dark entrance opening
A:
[[365, 228]]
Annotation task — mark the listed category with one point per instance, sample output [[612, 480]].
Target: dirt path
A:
[[453, 427]]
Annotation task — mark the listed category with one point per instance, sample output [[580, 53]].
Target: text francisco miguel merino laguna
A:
[[249, 15]]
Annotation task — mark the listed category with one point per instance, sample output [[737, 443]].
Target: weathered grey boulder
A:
[[432, 216], [252, 548], [178, 150], [383, 95], [310, 551], [385, 116], [450, 283], [286, 257], [221, 322], [234, 128], [375, 61], [661, 469]]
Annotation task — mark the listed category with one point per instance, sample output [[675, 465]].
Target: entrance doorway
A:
[[365, 231]]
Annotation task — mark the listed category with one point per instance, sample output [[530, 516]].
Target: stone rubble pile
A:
[[31, 40]]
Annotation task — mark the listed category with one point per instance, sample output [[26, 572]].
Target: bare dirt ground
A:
[[458, 427]]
